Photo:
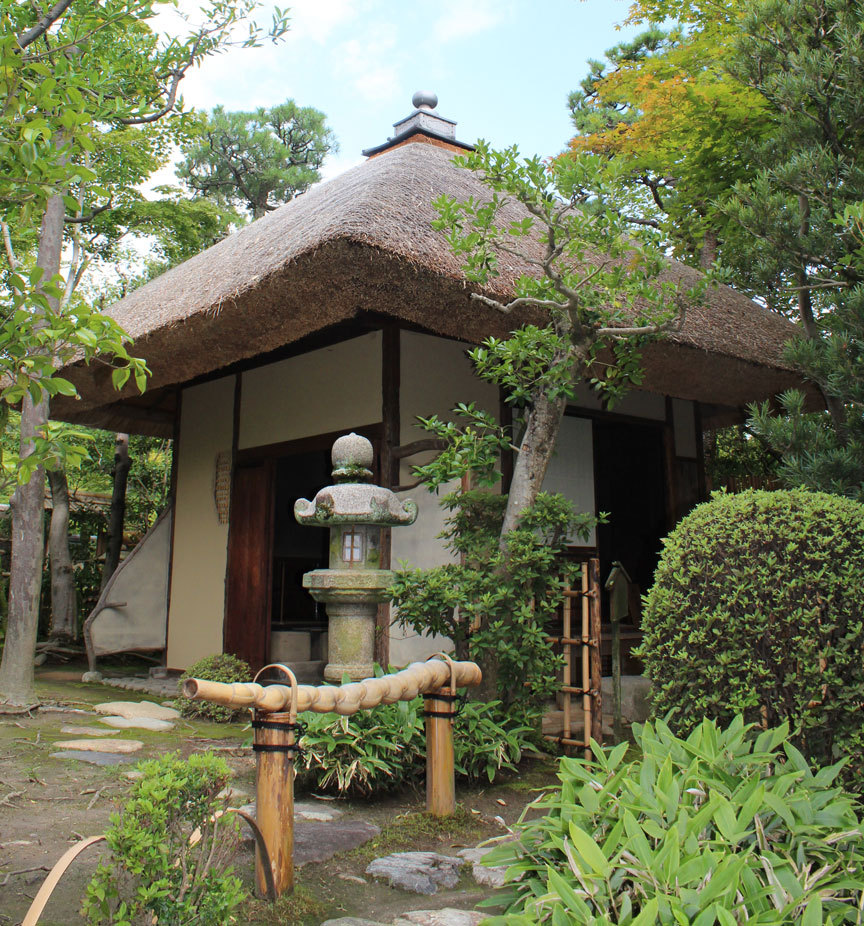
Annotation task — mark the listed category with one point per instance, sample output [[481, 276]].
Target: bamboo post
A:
[[586, 663], [275, 749], [567, 649], [596, 669], [439, 711]]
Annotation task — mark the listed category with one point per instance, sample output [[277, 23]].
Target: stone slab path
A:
[[448, 916], [94, 758], [103, 745], [138, 723], [420, 872], [135, 709]]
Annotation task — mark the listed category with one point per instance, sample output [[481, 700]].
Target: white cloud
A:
[[369, 63], [461, 19], [315, 20]]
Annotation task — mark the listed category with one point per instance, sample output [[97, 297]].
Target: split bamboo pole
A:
[[418, 678], [567, 679], [595, 631], [275, 745], [586, 663]]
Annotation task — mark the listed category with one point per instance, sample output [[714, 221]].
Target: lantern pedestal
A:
[[351, 599]]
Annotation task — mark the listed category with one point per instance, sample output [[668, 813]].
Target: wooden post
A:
[[440, 765], [274, 739], [567, 650], [595, 632], [587, 719]]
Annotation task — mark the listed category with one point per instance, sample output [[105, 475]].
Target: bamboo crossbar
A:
[[418, 678]]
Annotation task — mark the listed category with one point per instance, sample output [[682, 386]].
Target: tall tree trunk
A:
[[64, 605], [28, 505], [535, 452], [811, 327], [117, 516], [708, 254]]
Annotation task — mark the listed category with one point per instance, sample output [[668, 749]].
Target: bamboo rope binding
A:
[[418, 678]]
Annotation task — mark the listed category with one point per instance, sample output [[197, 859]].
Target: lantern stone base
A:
[[351, 598]]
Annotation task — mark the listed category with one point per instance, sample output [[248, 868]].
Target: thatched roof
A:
[[363, 243]]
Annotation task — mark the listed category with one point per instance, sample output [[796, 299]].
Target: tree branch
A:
[[507, 308], [44, 24], [7, 244], [84, 219]]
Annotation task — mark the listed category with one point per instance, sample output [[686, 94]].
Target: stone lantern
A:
[[354, 585]]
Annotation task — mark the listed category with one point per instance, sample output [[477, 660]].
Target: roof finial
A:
[[424, 99]]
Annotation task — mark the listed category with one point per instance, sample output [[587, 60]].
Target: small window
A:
[[352, 546]]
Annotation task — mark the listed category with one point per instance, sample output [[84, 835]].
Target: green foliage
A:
[[493, 602], [257, 159], [722, 827], [488, 737], [756, 609], [160, 874], [368, 753], [371, 752], [574, 207], [734, 452], [223, 667], [91, 109]]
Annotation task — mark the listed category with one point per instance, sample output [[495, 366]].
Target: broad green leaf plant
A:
[[723, 827]]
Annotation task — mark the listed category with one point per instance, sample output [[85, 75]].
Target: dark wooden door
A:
[[250, 543]]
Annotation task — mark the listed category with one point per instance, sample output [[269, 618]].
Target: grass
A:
[[410, 829], [300, 907]]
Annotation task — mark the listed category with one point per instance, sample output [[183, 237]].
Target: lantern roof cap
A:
[[354, 499]]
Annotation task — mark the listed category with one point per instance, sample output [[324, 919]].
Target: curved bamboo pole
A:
[[418, 678]]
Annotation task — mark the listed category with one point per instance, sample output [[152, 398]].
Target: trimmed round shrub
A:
[[220, 668], [757, 609]]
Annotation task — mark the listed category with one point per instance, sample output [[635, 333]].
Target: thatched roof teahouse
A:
[[344, 309]]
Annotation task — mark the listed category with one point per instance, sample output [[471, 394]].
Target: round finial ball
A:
[[352, 450], [424, 99]]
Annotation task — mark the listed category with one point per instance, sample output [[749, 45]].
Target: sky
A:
[[501, 68]]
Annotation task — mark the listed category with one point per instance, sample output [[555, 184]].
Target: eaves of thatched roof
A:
[[363, 244]]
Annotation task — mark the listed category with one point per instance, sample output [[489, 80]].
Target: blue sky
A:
[[501, 68]]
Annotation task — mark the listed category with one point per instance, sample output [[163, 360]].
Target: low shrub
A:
[[369, 752], [158, 873], [718, 828], [374, 751], [757, 609], [220, 668]]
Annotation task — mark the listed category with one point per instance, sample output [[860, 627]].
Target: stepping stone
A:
[[483, 874], [321, 813], [86, 731], [138, 723], [420, 872], [351, 921], [135, 709], [303, 810], [94, 758], [448, 916], [318, 842], [96, 745], [233, 796]]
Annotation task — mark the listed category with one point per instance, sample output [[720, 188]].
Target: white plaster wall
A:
[[332, 389], [684, 426], [571, 470], [635, 403], [200, 541], [436, 374]]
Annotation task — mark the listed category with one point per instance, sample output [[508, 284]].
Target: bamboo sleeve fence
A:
[[587, 658], [277, 730]]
